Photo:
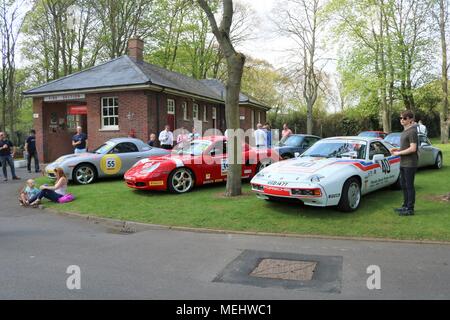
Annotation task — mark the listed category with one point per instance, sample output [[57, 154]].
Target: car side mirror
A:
[[378, 157], [212, 153], [297, 154], [423, 144]]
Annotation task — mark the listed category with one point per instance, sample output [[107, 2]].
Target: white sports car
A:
[[333, 172]]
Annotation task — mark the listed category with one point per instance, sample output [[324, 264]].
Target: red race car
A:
[[195, 163]]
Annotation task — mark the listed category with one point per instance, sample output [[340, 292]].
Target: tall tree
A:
[[11, 21], [235, 66], [301, 20]]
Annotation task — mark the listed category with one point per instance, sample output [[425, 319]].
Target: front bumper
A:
[[158, 183]]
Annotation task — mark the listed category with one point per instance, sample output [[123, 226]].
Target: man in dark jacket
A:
[[30, 148], [7, 152], [408, 162]]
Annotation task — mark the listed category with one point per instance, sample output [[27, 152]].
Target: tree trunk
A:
[[233, 88], [443, 114]]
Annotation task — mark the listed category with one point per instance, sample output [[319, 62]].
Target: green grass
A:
[[207, 208]]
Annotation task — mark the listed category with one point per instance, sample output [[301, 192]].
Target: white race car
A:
[[333, 172]]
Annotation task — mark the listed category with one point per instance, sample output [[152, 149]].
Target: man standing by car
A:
[[260, 137], [166, 138], [30, 148], [7, 152], [80, 141], [408, 162]]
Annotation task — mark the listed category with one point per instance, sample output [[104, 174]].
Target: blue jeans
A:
[[79, 150], [49, 194], [7, 160]]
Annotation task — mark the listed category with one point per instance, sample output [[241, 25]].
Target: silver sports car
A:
[[429, 155], [113, 158]]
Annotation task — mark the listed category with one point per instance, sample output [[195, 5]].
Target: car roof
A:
[[303, 135], [365, 139], [125, 139]]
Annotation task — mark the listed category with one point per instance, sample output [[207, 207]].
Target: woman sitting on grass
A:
[[51, 193]]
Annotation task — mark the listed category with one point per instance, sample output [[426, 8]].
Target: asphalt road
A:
[[37, 247]]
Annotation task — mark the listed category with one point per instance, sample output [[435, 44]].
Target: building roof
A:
[[127, 72]]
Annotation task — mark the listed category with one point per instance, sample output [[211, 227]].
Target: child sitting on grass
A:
[[28, 192]]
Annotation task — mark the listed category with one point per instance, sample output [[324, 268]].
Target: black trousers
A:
[[33, 155], [407, 176]]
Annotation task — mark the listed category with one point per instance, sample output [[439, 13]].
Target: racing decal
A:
[[218, 180], [277, 183], [335, 195], [208, 176], [366, 166], [224, 166], [110, 164], [385, 166], [156, 183]]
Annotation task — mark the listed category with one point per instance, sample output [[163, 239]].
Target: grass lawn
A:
[[207, 208]]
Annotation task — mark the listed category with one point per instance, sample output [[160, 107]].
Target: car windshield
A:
[[194, 148], [104, 148], [290, 141], [337, 149], [393, 139]]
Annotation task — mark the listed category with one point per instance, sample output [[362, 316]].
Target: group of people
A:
[[166, 138], [30, 195]]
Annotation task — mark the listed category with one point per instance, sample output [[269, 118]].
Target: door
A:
[[128, 153], [171, 114], [426, 157], [386, 173]]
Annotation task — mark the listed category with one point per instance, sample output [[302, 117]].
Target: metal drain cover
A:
[[285, 269]]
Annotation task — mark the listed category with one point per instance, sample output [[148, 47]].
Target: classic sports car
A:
[[295, 143], [195, 163], [333, 172], [429, 155], [112, 158]]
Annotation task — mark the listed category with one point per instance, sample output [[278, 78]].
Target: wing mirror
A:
[[378, 157], [423, 144], [297, 154]]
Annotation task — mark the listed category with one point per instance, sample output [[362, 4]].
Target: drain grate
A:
[[285, 269]]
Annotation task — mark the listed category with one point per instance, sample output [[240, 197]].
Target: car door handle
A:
[[138, 157]]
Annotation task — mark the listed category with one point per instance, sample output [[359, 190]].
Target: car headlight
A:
[[150, 169], [316, 178]]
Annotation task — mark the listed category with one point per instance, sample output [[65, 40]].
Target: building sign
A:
[[74, 110], [65, 97]]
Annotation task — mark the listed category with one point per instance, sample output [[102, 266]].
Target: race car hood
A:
[[303, 169], [76, 157]]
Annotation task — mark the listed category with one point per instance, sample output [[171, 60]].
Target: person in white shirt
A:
[[421, 128], [166, 138], [260, 136], [182, 136]]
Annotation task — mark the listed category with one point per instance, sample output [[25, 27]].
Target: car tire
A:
[[180, 181], [84, 173], [351, 195], [263, 164], [438, 163]]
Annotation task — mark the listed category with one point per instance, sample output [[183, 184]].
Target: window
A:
[[214, 113], [195, 111], [378, 148], [170, 106], [259, 117], [205, 115], [124, 147], [110, 113], [185, 111]]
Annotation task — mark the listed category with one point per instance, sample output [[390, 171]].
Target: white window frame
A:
[[170, 106], [259, 116], [185, 111], [214, 113], [205, 113], [195, 111], [112, 115]]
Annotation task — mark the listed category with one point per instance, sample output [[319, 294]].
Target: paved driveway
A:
[[36, 248]]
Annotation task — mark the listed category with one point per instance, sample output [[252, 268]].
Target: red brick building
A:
[[127, 95]]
